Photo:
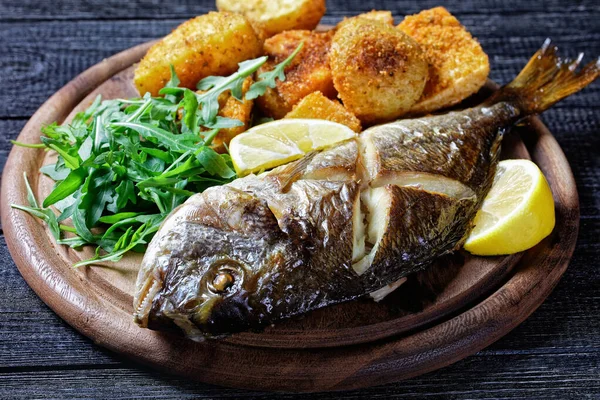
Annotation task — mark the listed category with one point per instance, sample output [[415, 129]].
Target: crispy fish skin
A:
[[464, 145], [340, 224]]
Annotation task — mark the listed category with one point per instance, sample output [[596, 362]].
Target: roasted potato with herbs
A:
[[308, 72], [378, 71], [211, 44], [458, 65], [379, 15], [317, 106], [270, 17]]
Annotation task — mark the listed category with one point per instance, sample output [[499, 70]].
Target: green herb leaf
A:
[[30, 196], [66, 187], [113, 219], [214, 163], [46, 215], [125, 193], [55, 172], [64, 150], [268, 79], [210, 100], [190, 111], [30, 145], [223, 123], [169, 140], [174, 81]]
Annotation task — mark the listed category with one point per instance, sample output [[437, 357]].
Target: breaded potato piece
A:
[[458, 65], [270, 17], [379, 15], [308, 72], [211, 44], [317, 106], [378, 73], [230, 107]]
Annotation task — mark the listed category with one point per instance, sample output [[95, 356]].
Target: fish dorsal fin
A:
[[292, 172]]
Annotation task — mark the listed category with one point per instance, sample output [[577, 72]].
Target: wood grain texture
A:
[[114, 9], [553, 354]]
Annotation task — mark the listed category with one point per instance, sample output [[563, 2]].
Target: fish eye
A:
[[222, 281], [226, 277]]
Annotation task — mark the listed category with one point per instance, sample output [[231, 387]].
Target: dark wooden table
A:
[[555, 354]]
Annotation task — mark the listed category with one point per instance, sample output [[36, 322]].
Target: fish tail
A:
[[547, 79]]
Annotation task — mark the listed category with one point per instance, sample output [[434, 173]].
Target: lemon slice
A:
[[517, 213], [275, 143]]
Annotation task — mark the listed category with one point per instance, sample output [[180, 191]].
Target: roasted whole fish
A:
[[339, 224]]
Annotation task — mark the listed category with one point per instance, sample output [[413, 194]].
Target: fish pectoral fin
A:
[[291, 172]]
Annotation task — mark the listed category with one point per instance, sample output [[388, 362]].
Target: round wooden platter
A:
[[453, 309]]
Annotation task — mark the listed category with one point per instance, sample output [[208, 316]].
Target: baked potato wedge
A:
[[317, 106], [458, 65], [308, 72], [378, 73], [211, 44], [270, 17], [379, 15]]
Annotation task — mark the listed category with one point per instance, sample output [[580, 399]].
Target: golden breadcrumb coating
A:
[[378, 71], [270, 17], [308, 72], [317, 106], [211, 44], [458, 65]]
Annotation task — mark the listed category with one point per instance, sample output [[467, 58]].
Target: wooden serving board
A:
[[441, 315]]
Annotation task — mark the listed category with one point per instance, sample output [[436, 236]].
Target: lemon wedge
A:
[[517, 213], [278, 142]]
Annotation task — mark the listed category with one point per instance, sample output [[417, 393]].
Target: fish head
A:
[[213, 265]]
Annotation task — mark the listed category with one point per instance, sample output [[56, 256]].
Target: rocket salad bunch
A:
[[123, 165]]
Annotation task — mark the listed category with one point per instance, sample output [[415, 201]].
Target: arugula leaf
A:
[[66, 187], [34, 209], [125, 193], [29, 145], [113, 219], [223, 122], [64, 150], [46, 215], [68, 205], [190, 111], [30, 196], [213, 163], [55, 172], [267, 79], [218, 85], [169, 140], [79, 221], [174, 81]]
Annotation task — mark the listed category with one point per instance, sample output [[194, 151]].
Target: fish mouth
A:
[[146, 293]]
